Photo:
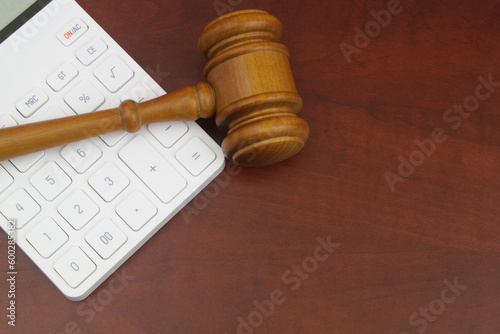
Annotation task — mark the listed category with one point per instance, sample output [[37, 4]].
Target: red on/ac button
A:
[[72, 31]]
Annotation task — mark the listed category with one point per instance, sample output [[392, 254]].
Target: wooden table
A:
[[388, 222]]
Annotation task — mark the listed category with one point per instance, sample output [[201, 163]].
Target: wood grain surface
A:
[[388, 222]]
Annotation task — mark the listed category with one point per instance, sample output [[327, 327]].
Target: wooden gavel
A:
[[251, 87]]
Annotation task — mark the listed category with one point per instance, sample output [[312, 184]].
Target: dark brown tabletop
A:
[[388, 221]]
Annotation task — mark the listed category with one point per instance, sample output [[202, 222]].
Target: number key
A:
[[106, 238], [109, 182], [47, 237], [74, 267], [20, 207], [81, 155], [78, 209], [50, 181]]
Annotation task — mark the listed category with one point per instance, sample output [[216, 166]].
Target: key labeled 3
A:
[[109, 182]]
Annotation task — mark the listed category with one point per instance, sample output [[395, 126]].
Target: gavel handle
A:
[[184, 104]]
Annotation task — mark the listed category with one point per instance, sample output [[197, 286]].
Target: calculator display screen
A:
[[14, 13], [10, 9]]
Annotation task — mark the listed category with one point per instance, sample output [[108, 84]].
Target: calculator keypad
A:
[[81, 208]]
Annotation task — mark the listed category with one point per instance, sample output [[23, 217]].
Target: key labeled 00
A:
[[106, 238]]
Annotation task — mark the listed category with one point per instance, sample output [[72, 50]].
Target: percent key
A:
[[84, 98]]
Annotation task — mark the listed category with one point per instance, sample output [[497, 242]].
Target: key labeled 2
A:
[[78, 209]]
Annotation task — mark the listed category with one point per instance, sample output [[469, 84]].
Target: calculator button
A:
[[84, 98], [5, 179], [32, 102], [72, 31], [195, 156], [113, 73], [139, 93], [81, 155], [7, 121], [62, 76], [168, 133], [78, 209], [106, 238], [47, 237], [48, 114], [91, 51], [136, 210], [109, 182], [152, 169], [25, 162], [20, 207], [113, 138], [50, 181], [74, 267]]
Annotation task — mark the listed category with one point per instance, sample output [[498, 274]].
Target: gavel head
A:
[[256, 97]]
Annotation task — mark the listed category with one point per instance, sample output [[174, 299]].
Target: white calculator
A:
[[82, 210]]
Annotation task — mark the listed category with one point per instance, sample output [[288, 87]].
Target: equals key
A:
[[195, 156]]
